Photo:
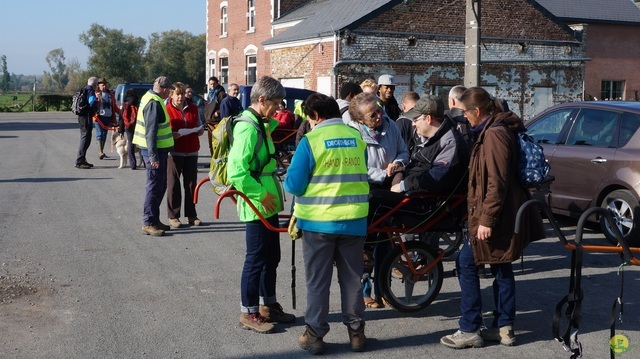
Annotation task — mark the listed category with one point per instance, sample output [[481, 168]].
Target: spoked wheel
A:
[[449, 242], [624, 209], [404, 289]]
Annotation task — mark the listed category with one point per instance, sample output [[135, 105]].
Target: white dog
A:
[[119, 141]]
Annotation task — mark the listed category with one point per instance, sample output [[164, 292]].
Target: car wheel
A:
[[625, 210]]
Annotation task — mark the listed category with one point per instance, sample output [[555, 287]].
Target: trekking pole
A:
[[293, 273]]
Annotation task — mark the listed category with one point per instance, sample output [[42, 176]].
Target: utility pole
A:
[[472, 44]]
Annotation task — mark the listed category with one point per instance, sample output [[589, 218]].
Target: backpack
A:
[[221, 142], [532, 165], [80, 103]]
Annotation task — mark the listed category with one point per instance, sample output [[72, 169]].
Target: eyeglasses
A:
[[421, 117], [376, 113]]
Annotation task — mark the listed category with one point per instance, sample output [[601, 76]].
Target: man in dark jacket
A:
[[455, 112], [86, 124], [437, 166], [214, 97]]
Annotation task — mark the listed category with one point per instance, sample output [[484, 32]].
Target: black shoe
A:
[[87, 163], [83, 166]]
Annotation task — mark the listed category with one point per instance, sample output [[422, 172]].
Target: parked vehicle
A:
[[594, 152], [140, 87]]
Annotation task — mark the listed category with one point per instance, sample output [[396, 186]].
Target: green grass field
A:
[[7, 102]]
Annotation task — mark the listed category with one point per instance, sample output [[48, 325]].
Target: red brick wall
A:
[[308, 61], [238, 38], [615, 55]]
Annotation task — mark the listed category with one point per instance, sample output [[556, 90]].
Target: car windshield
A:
[[547, 129]]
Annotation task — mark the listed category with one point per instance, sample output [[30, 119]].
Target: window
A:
[[593, 128], [223, 21], [548, 128], [224, 70], [612, 90], [251, 69], [628, 127], [212, 67], [251, 15]]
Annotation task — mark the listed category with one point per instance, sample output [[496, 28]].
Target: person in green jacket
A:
[[251, 170]]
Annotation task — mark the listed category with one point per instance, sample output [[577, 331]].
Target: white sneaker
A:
[[461, 340]]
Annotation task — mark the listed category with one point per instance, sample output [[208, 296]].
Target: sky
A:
[[31, 28]]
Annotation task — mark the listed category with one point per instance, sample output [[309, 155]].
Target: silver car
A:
[[594, 152]]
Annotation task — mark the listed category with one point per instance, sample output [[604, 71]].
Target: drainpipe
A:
[[335, 67]]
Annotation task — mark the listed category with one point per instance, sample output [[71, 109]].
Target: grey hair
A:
[[457, 91], [269, 88], [92, 81], [358, 102]]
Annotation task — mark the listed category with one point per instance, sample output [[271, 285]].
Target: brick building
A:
[[613, 46], [529, 56]]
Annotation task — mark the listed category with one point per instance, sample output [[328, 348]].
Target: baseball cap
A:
[[386, 80], [163, 81], [427, 105]]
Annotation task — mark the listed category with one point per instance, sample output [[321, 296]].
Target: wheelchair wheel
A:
[[449, 242], [399, 286]]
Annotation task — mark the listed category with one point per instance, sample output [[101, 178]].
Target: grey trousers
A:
[[320, 251]]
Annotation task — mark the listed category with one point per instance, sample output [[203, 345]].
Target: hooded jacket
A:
[[495, 193]]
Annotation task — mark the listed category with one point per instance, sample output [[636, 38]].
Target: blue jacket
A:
[[298, 177]]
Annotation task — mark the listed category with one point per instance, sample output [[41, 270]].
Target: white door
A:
[[324, 85]]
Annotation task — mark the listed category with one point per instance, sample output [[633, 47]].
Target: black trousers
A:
[[86, 126]]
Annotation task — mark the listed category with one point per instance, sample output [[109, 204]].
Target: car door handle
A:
[[599, 160]]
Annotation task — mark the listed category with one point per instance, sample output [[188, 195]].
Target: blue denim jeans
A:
[[155, 189], [504, 292], [258, 281]]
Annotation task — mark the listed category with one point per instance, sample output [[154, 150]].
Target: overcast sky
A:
[[29, 29]]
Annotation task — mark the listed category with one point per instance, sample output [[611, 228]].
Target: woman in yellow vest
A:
[[328, 176]]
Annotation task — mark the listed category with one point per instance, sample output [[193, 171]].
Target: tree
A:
[[5, 81], [178, 55], [59, 75], [77, 76], [114, 55]]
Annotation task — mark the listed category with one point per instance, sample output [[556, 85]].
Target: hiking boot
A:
[[504, 335], [175, 222], [310, 342], [461, 340], [256, 322], [356, 338], [152, 230], [162, 226], [194, 221], [274, 313]]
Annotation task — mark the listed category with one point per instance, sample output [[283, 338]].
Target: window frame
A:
[[224, 69], [612, 90], [224, 21], [251, 68], [251, 16]]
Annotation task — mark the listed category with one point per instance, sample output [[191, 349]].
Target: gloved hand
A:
[[293, 229]]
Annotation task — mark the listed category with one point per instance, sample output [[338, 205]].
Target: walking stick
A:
[[293, 273]]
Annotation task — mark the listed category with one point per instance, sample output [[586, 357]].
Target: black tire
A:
[[406, 294], [449, 242], [625, 209]]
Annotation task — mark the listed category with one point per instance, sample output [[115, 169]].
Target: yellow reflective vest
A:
[[338, 188], [164, 137]]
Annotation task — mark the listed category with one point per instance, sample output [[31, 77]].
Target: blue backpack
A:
[[532, 165]]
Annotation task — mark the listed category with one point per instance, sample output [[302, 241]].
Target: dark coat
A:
[[495, 193]]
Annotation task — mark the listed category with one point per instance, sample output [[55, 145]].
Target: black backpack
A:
[[80, 102]]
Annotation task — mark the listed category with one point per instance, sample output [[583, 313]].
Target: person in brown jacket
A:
[[494, 197]]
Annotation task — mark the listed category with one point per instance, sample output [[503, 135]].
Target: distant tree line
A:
[[118, 57]]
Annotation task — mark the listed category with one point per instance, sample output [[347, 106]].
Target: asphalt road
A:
[[79, 280]]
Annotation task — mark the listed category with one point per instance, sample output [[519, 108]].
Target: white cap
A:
[[386, 80]]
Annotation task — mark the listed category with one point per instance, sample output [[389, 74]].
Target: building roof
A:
[[609, 11], [319, 18]]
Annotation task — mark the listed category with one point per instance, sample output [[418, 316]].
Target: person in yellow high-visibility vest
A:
[[153, 135], [328, 176]]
